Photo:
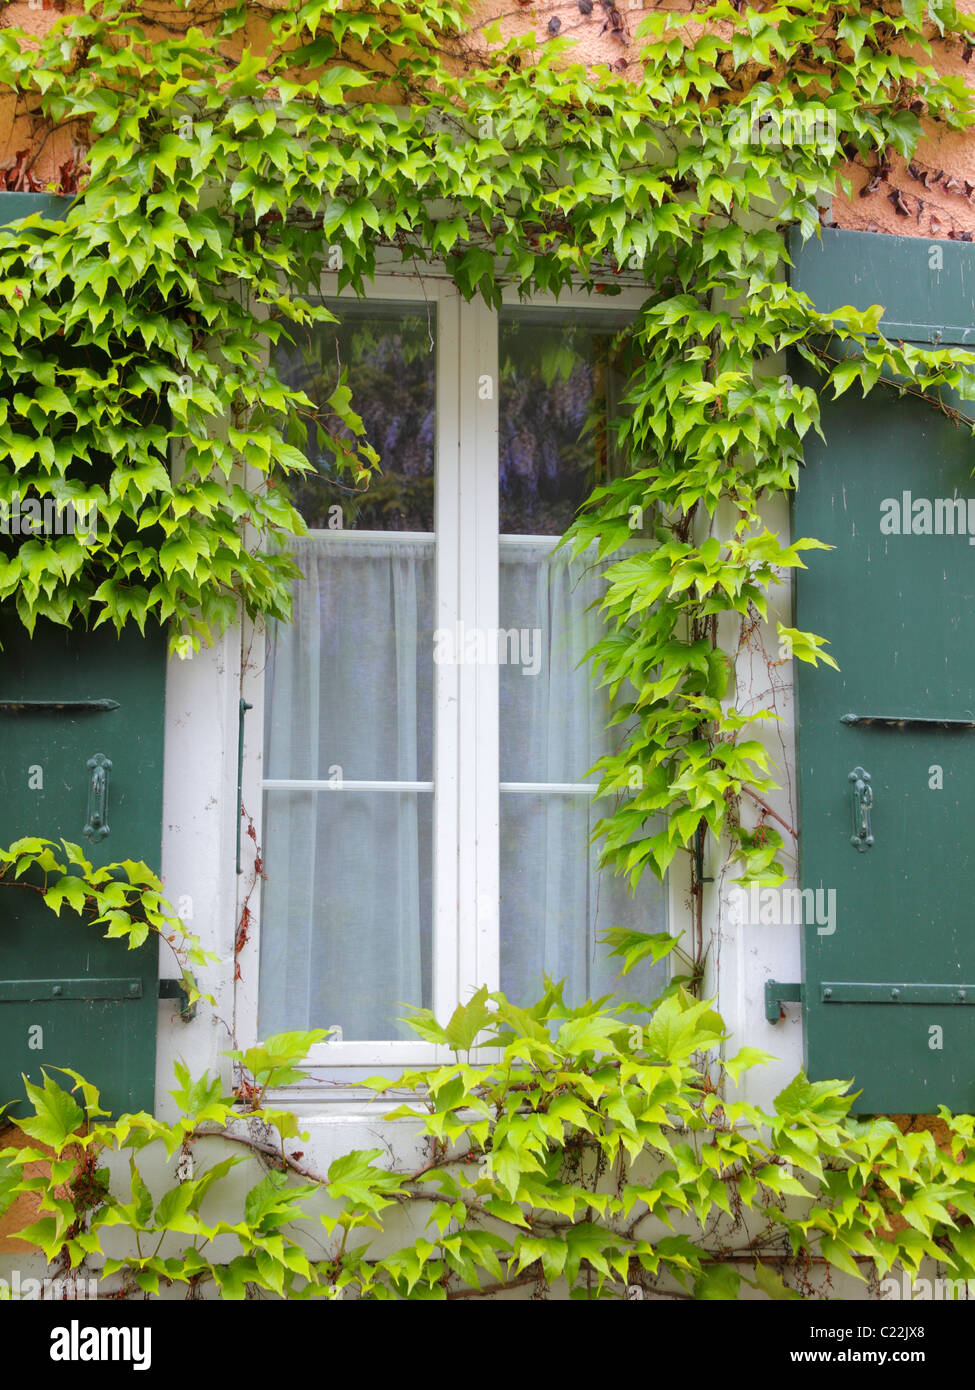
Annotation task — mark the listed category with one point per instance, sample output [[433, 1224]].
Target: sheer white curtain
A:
[[346, 916], [347, 905], [554, 901]]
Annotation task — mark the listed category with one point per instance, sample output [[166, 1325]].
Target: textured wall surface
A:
[[26, 1208], [934, 195]]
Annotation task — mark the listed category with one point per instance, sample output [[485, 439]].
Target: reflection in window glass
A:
[[387, 352], [562, 376]]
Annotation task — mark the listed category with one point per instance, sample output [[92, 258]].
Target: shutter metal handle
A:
[[97, 827], [862, 837]]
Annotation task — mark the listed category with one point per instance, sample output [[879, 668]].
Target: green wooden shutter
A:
[[888, 994], [71, 704]]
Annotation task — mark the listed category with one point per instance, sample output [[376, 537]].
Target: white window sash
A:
[[466, 786]]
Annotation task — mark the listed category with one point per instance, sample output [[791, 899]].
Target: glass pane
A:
[[346, 919], [552, 719], [555, 904], [349, 683], [387, 350], [349, 699], [562, 377]]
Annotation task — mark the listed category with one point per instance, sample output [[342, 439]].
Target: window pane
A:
[[387, 350], [347, 899], [555, 904], [561, 381], [350, 682], [552, 721], [346, 916]]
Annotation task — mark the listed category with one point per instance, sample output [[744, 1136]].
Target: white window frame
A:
[[466, 835]]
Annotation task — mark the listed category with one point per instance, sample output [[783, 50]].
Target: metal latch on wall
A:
[[777, 994], [175, 989]]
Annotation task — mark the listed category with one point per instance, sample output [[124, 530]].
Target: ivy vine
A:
[[223, 175], [598, 1156], [125, 898], [228, 156]]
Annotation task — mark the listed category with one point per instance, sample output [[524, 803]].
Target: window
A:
[[428, 726]]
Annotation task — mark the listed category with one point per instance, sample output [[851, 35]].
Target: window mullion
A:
[[447, 733], [480, 387]]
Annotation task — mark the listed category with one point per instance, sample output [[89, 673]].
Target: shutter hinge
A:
[[59, 706], [85, 989]]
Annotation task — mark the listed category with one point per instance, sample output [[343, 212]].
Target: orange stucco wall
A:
[[927, 206], [934, 207]]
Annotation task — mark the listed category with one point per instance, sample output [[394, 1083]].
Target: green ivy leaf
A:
[[57, 1115], [717, 1282], [772, 1286]]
